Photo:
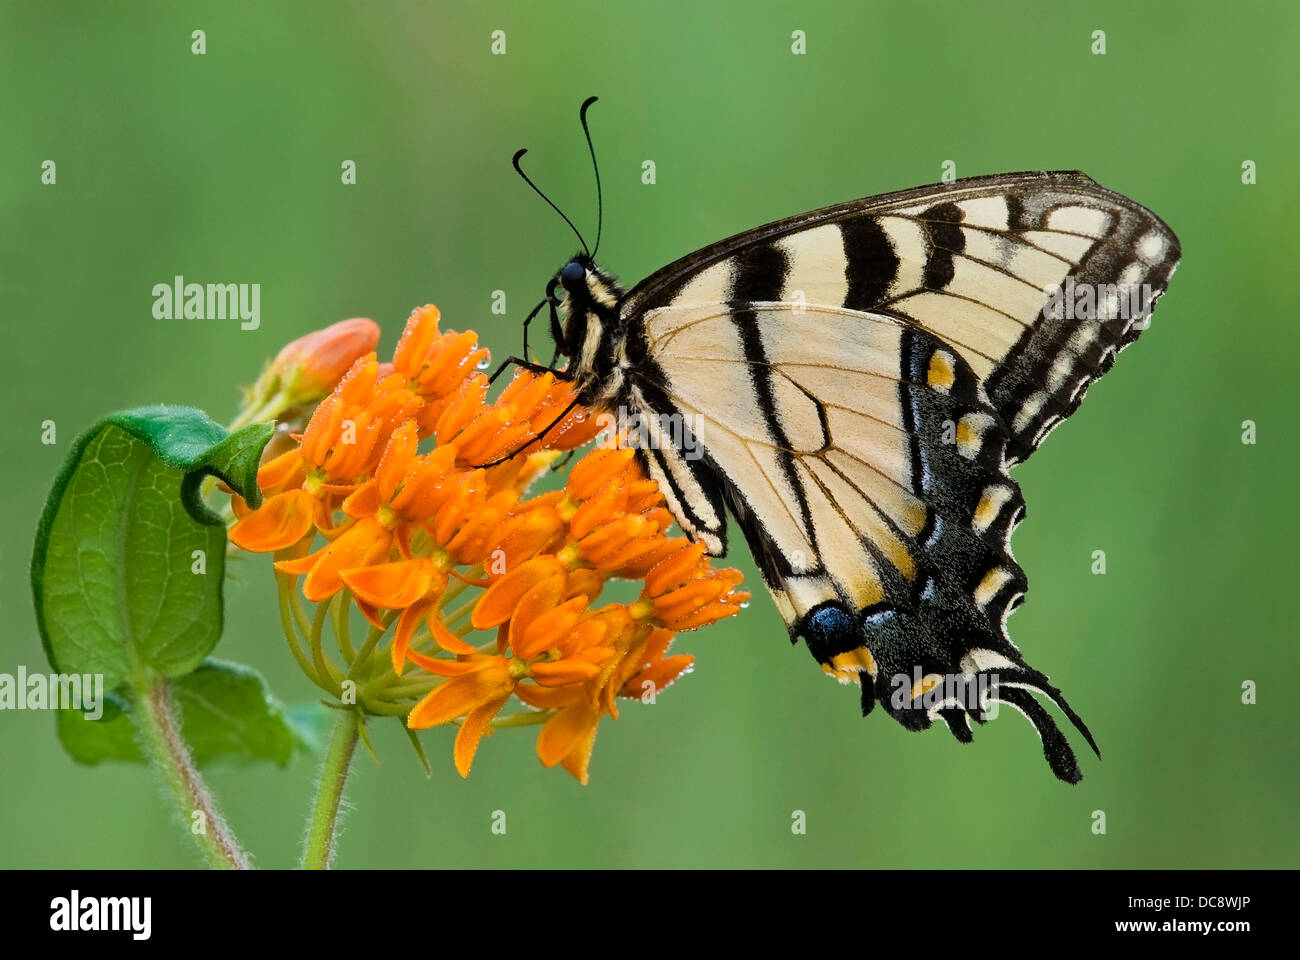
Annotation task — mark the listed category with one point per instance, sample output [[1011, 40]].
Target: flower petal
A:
[[497, 605], [279, 522], [548, 629], [446, 639], [658, 676], [540, 599], [471, 732], [449, 668], [406, 625], [561, 673], [362, 545], [548, 698], [676, 569], [280, 472], [597, 468], [397, 459], [395, 585], [564, 731], [458, 696], [417, 339], [363, 501], [578, 759]]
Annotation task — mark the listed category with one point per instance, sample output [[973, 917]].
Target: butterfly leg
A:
[[532, 440], [550, 300], [557, 329], [527, 365]]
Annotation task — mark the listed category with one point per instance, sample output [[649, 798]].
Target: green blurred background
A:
[[226, 168]]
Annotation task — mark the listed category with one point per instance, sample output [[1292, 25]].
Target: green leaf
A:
[[226, 712], [112, 737], [119, 582]]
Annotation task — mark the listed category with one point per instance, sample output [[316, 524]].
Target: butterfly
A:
[[852, 386]]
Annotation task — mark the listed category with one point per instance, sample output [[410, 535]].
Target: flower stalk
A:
[[322, 828], [161, 737]]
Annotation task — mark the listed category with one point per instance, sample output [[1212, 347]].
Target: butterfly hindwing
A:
[[871, 491]]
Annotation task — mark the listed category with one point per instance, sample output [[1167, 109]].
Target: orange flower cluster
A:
[[400, 526]]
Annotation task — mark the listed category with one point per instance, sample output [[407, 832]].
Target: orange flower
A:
[[654, 671], [547, 647], [435, 364], [409, 532]]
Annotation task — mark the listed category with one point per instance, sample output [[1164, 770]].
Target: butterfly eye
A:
[[573, 275]]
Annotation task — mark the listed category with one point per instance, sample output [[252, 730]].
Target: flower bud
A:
[[311, 366]]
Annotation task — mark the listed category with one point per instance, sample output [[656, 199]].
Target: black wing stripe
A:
[[946, 239], [759, 276], [870, 263], [702, 476]]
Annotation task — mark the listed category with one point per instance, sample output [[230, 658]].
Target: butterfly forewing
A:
[[1037, 279]]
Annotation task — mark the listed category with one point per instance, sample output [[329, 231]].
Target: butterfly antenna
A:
[[600, 200], [537, 189]]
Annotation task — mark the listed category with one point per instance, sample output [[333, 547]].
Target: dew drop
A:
[[483, 364], [745, 605]]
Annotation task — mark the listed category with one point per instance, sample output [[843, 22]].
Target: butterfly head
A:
[[590, 309], [573, 274], [586, 286]]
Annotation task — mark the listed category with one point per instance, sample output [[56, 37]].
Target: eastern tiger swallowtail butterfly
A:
[[852, 385]]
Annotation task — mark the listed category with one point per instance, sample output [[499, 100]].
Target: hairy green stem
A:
[[322, 829], [160, 734]]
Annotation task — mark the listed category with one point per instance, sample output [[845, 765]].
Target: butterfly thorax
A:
[[592, 333]]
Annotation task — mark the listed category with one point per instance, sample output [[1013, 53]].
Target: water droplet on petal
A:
[[745, 605], [483, 364]]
